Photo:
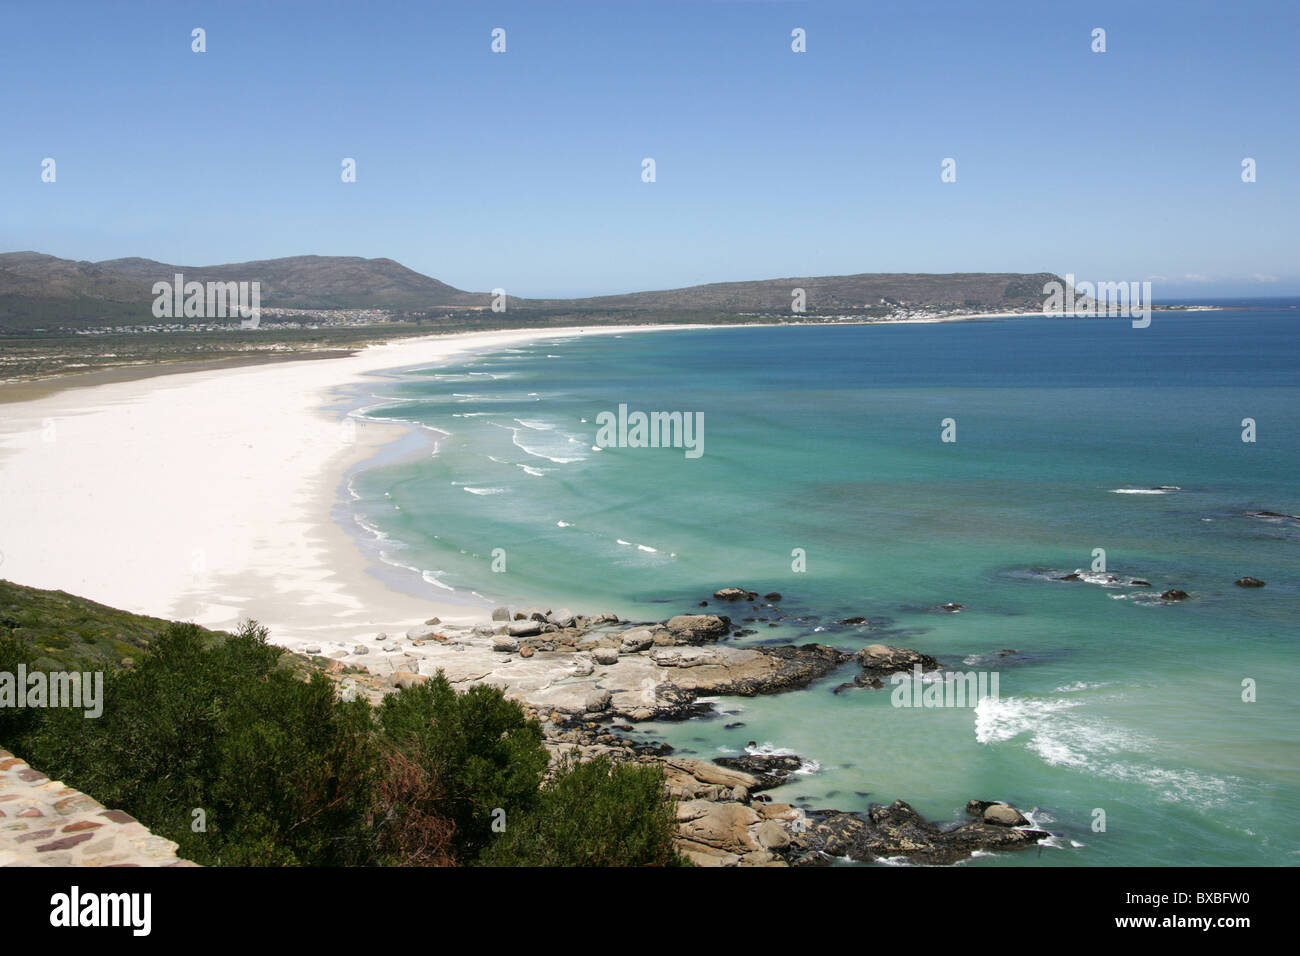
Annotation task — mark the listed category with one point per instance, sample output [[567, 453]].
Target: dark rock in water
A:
[[698, 628], [1249, 582], [1072, 576], [866, 680], [1174, 594], [846, 686], [898, 830], [733, 726], [772, 596], [952, 608], [883, 659], [1272, 514], [1139, 583], [854, 620], [704, 604], [734, 594], [770, 769], [653, 749]]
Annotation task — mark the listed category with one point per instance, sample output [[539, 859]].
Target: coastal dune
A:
[[216, 495]]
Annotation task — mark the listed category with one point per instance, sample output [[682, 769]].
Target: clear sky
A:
[[523, 170]]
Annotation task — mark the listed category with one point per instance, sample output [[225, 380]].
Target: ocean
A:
[[1142, 732]]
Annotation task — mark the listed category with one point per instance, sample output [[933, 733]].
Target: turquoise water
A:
[[828, 440]]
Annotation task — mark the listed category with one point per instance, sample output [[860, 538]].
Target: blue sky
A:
[[523, 170]]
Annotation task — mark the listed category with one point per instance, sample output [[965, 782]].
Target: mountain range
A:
[[39, 291]]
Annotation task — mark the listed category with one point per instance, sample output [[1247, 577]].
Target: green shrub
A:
[[593, 813], [280, 768], [479, 746], [16, 723]]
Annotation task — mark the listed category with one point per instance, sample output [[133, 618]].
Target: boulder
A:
[[723, 826], [683, 656], [734, 594], [561, 618], [1004, 815], [882, 659], [1248, 582], [771, 835], [360, 649], [526, 652], [637, 639], [773, 596], [1175, 594], [524, 628], [423, 633], [698, 628], [501, 614], [705, 772], [433, 621], [504, 645], [605, 655]]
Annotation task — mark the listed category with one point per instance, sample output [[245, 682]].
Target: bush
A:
[[15, 722], [287, 774], [593, 813], [479, 747], [281, 769]]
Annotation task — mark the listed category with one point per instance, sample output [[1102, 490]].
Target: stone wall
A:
[[44, 823]]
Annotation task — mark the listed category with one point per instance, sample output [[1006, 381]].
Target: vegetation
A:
[[593, 813], [245, 756]]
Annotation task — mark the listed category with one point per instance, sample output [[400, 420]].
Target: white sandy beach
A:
[[216, 495]]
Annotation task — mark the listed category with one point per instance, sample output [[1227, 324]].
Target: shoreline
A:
[[215, 494], [23, 389]]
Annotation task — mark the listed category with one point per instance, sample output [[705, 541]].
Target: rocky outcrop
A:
[[898, 831], [1174, 594], [881, 659], [698, 628], [768, 770], [735, 594], [1248, 582], [579, 679]]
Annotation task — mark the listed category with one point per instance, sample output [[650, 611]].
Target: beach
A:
[[217, 495]]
